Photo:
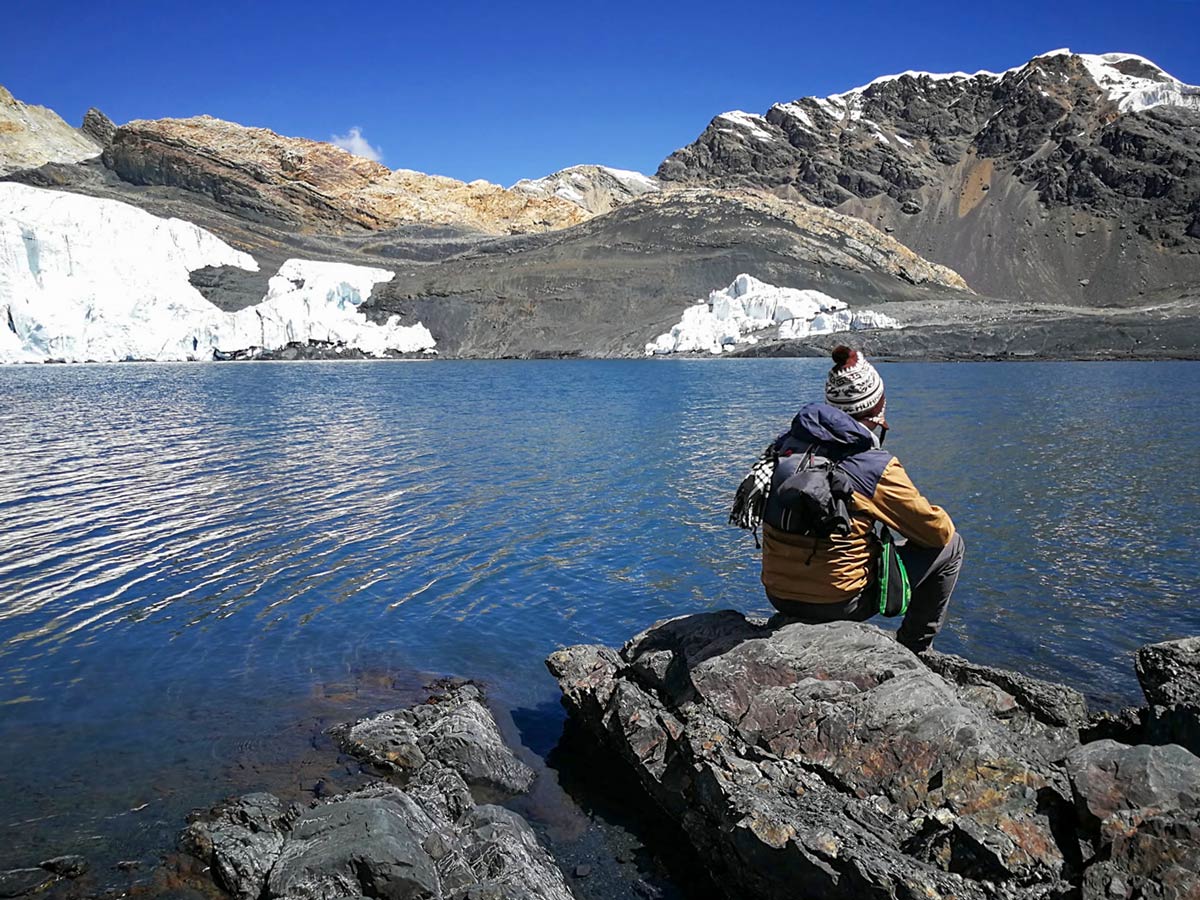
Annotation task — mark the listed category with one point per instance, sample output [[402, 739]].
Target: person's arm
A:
[[899, 505]]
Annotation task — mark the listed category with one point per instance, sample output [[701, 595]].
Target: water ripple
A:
[[188, 549]]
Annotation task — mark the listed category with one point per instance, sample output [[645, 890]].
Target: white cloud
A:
[[354, 142]]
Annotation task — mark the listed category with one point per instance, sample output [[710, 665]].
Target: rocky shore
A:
[[785, 760], [828, 761]]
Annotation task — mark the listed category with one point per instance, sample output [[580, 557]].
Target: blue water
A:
[[199, 562]]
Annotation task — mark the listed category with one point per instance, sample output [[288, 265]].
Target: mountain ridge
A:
[[985, 213], [922, 155]]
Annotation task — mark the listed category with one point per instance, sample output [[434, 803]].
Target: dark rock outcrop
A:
[[1169, 673], [830, 761], [99, 127], [1037, 182], [425, 839], [453, 728], [612, 284]]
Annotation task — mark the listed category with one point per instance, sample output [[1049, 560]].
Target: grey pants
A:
[[932, 574]]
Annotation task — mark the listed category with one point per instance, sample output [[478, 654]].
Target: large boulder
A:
[[830, 761], [1141, 807], [1169, 673]]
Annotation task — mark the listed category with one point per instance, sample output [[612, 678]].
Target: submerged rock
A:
[[426, 839], [830, 761]]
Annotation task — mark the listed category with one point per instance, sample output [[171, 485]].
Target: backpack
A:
[[810, 495]]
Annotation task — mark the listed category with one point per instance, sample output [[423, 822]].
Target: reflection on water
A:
[[187, 550]]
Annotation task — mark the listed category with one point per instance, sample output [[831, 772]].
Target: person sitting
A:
[[837, 576]]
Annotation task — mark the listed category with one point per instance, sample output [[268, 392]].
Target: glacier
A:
[[737, 313], [88, 279]]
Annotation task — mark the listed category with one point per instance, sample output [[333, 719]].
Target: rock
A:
[[582, 871], [33, 136], [1142, 806], [99, 127], [427, 839], [66, 866], [241, 841], [368, 844], [454, 728], [264, 176], [1109, 778], [830, 761], [21, 882], [1169, 673], [1053, 704], [821, 760], [595, 189], [957, 163]]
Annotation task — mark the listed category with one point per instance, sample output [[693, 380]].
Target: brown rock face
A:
[[31, 136], [264, 176]]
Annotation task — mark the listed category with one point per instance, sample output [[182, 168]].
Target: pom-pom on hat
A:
[[854, 387]]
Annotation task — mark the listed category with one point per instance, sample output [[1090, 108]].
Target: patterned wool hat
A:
[[854, 387]]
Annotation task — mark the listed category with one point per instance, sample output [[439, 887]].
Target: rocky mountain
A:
[[612, 284], [595, 189], [32, 136], [259, 174], [342, 255], [1073, 178]]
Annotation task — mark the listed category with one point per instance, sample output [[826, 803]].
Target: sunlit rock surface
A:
[[830, 761]]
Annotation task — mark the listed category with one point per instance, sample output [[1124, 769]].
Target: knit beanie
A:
[[854, 387]]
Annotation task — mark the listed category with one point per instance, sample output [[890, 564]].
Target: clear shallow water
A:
[[200, 565]]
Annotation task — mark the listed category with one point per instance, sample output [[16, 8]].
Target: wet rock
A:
[[66, 866], [830, 761], [1169, 673], [454, 728], [241, 842], [425, 839], [368, 844], [21, 882]]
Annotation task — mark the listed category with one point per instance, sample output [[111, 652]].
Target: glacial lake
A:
[[204, 566]]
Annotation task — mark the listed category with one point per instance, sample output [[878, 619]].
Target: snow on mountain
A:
[[1132, 82], [748, 306], [83, 278], [596, 189]]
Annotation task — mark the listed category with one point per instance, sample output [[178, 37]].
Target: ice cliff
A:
[[748, 306], [89, 279]]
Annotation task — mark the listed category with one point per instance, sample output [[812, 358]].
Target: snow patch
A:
[[1131, 93], [737, 313], [88, 279], [796, 111], [748, 122], [634, 182]]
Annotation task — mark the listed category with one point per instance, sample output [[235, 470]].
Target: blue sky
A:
[[509, 90]]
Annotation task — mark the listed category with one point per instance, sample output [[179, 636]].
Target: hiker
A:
[[842, 563]]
